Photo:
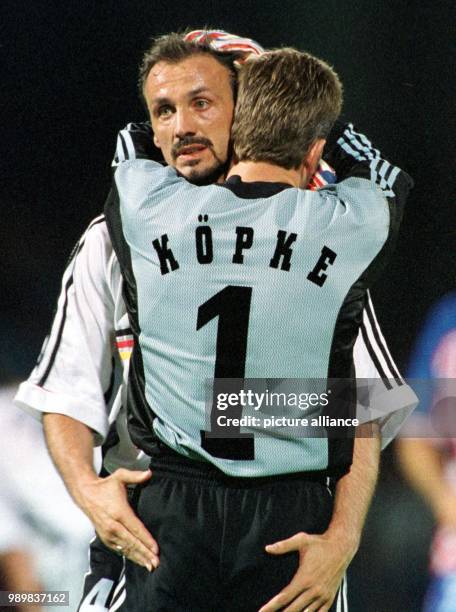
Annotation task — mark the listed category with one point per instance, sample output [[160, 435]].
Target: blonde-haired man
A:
[[253, 278], [278, 119]]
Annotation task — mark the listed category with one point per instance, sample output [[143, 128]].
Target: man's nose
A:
[[185, 124]]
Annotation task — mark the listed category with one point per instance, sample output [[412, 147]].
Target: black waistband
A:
[[169, 462]]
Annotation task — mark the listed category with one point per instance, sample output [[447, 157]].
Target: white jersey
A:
[[84, 361]]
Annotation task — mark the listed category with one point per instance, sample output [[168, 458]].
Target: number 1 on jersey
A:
[[232, 307]]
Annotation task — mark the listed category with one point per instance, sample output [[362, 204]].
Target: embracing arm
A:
[[70, 444], [324, 558], [103, 500], [69, 388], [354, 491]]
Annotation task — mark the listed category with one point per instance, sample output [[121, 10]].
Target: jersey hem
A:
[[392, 420]]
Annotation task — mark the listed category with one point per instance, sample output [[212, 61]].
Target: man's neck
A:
[[251, 172]]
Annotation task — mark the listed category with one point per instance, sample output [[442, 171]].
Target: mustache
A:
[[187, 141]]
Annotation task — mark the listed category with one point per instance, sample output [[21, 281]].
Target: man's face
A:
[[191, 107]]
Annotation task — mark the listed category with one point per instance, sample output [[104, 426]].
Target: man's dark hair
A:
[[172, 48]]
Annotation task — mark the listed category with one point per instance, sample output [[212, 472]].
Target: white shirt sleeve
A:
[[383, 395], [75, 369]]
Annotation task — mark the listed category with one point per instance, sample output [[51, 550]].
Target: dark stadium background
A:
[[69, 83]]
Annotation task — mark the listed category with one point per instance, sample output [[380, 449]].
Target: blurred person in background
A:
[[17, 570], [43, 535], [429, 459]]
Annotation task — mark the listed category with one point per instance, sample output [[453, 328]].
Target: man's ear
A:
[[314, 156], [156, 142]]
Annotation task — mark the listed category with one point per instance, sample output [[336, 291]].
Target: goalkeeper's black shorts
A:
[[212, 529]]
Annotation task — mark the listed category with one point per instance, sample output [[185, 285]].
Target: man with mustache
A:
[[198, 160]]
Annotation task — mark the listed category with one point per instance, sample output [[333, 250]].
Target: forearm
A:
[[70, 445], [354, 491], [104, 500], [323, 559]]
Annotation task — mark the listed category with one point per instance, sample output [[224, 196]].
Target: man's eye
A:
[[201, 103], [164, 111]]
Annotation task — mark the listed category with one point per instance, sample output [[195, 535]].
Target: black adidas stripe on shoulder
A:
[[136, 141], [61, 311], [360, 147], [377, 348]]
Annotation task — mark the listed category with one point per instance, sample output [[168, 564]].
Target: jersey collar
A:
[[256, 189]]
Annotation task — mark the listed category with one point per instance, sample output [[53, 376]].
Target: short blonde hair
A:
[[287, 99]]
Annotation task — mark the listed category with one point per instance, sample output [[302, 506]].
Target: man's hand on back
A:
[[105, 502], [324, 558], [322, 564]]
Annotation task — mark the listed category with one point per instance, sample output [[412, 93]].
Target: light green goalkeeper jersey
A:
[[248, 281]]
